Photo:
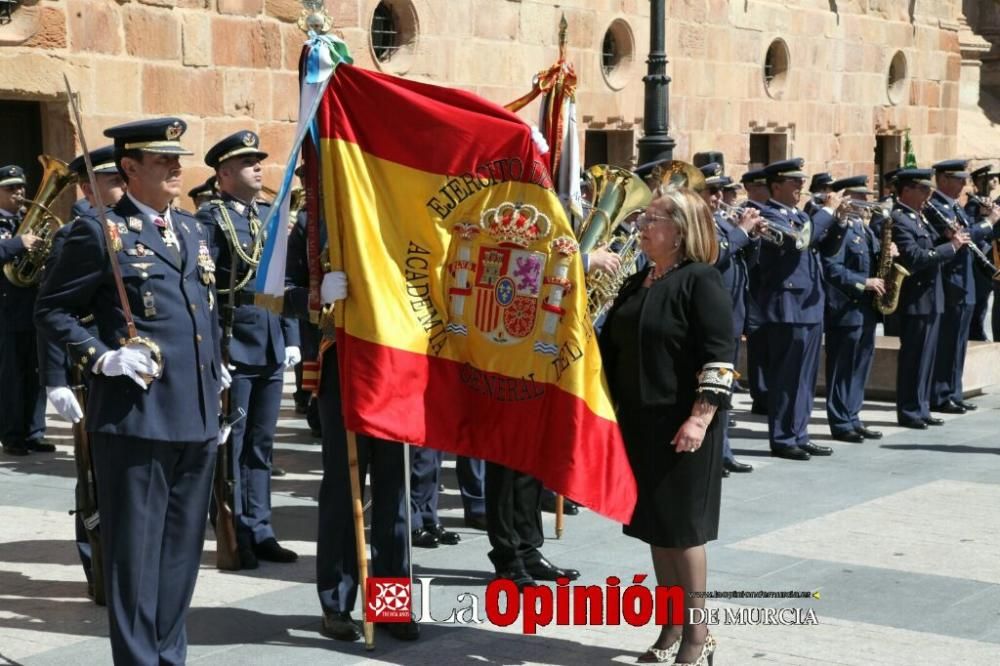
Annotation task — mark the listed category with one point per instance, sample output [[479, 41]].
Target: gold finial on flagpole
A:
[[563, 27], [314, 18]]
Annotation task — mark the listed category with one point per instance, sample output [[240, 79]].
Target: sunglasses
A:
[[646, 220]]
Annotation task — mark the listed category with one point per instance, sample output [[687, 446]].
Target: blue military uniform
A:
[[982, 278], [756, 339], [336, 556], [256, 351], [737, 251], [818, 186], [153, 448], [921, 304], [22, 419], [791, 299], [850, 320], [958, 281]]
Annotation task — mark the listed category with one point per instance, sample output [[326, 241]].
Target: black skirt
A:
[[679, 493]]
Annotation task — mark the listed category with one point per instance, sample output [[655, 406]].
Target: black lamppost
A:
[[656, 143]]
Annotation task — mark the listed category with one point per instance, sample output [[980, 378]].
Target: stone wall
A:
[[224, 65]]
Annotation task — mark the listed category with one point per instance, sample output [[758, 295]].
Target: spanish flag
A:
[[466, 326]]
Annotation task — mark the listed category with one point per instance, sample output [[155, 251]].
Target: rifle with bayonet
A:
[[86, 491], [227, 556]]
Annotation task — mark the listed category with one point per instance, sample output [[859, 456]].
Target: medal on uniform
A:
[[135, 224], [122, 228], [149, 302], [205, 264], [169, 238]]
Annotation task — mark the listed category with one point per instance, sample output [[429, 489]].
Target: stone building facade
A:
[[834, 81]]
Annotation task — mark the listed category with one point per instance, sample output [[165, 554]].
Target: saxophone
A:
[[891, 273]]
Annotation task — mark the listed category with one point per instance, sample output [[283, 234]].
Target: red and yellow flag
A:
[[466, 325]]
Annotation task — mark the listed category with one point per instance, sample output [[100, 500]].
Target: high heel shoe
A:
[[706, 655], [655, 655]]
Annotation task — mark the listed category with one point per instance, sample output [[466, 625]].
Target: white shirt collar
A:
[[149, 213]]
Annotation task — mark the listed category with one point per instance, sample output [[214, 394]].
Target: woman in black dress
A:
[[668, 349]]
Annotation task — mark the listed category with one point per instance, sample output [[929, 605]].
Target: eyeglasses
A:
[[646, 220]]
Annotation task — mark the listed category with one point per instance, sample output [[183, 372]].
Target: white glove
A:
[[64, 402], [130, 361], [334, 287], [293, 355], [225, 379]]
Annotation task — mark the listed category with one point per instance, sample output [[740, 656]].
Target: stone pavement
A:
[[900, 538]]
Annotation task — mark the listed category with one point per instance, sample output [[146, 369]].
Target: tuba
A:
[[25, 270], [615, 194]]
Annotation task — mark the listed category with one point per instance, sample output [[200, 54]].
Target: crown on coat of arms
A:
[[516, 223]]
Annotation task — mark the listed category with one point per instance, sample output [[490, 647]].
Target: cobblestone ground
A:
[[899, 537]]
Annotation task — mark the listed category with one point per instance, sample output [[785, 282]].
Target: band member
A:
[[819, 187], [730, 192], [978, 211], [755, 183], [790, 296], [153, 426], [849, 324], [921, 300], [263, 343], [946, 215], [736, 251], [425, 475], [54, 366], [22, 419]]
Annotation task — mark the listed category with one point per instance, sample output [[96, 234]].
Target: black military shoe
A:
[[443, 535], [402, 631], [545, 570], [816, 449], [968, 406], [852, 437], [915, 425], [725, 473], [948, 408], [933, 421], [732, 422], [570, 508], [15, 449], [271, 550], [790, 453], [422, 538], [340, 627], [278, 471], [868, 433], [760, 410], [735, 466], [519, 576], [40, 445]]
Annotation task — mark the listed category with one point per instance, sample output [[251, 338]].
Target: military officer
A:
[[921, 300], [819, 188], [202, 194], [850, 318], [790, 295], [152, 412], [755, 184], [263, 343], [736, 250], [730, 192], [946, 215], [381, 460], [983, 180], [22, 419], [54, 366]]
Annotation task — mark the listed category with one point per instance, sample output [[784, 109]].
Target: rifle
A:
[[227, 557], [86, 491]]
